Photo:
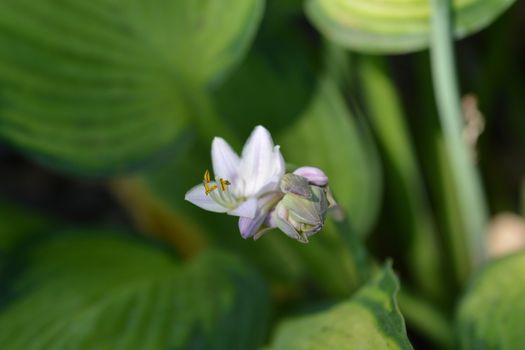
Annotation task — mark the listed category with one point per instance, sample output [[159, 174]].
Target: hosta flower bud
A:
[[291, 183], [302, 211], [314, 176]]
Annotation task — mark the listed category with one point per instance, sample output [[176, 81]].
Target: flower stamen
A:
[[224, 184], [210, 188], [207, 187]]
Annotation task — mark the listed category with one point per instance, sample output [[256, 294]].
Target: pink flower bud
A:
[[315, 176]]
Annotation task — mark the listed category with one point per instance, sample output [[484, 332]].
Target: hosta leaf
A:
[[328, 136], [392, 26], [492, 313], [92, 290], [370, 320], [100, 86], [201, 39]]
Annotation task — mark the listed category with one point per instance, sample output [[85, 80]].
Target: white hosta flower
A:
[[255, 188], [246, 186]]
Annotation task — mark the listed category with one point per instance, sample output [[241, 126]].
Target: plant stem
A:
[[426, 319], [406, 184], [361, 263], [465, 177]]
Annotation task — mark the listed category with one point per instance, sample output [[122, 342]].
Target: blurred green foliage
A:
[[132, 92], [370, 320], [392, 26], [490, 313], [88, 289], [84, 79]]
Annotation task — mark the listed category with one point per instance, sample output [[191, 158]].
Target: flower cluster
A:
[[255, 188]]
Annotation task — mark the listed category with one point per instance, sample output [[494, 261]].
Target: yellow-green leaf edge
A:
[[395, 26], [369, 320]]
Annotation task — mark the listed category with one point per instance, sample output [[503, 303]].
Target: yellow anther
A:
[[224, 184], [207, 187], [207, 176]]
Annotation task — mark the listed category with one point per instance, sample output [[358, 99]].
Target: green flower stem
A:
[[465, 177], [426, 319], [415, 220], [420, 314], [362, 265]]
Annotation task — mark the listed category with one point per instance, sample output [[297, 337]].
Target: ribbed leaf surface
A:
[[492, 313], [370, 320], [92, 291], [394, 26], [98, 86]]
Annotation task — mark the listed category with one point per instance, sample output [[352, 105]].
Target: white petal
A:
[[260, 162], [261, 232], [247, 209], [225, 160], [271, 185], [197, 195], [278, 162], [314, 175], [249, 227]]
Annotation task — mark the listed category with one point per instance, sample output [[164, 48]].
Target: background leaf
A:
[[370, 320], [86, 290], [394, 27], [99, 87], [201, 39], [492, 312]]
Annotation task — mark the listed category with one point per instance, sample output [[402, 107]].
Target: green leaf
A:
[[95, 290], [201, 40], [328, 136], [391, 26], [492, 312], [99, 87], [369, 320]]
